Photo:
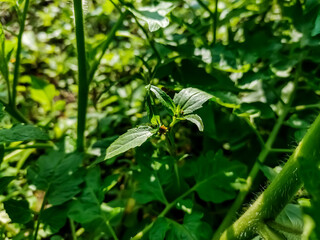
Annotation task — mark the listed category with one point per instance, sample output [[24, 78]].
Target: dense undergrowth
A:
[[159, 119]]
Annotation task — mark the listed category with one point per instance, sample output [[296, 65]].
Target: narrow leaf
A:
[[131, 139], [163, 98], [196, 119], [191, 99]]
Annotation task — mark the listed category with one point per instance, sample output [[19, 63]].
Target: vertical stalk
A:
[[73, 229], [215, 23], [39, 216], [12, 101], [82, 75]]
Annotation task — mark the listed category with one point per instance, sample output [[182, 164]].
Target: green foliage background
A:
[[245, 73]]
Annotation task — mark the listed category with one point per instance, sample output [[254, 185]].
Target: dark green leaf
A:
[[159, 229], [163, 98], [216, 177], [18, 210], [132, 138], [57, 174], [22, 133], [55, 217], [4, 182]]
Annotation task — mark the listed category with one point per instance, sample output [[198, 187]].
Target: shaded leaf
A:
[[57, 174], [4, 182], [191, 99], [163, 98], [55, 217], [159, 229], [22, 132], [132, 138], [18, 210], [216, 177], [196, 119]]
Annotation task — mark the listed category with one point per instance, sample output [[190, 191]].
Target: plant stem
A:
[[73, 229], [256, 167], [39, 216], [82, 75], [168, 207], [281, 190], [26, 146], [106, 44], [12, 101], [215, 23], [112, 231]]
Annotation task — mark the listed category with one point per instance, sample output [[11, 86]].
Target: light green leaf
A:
[[196, 119], [18, 210], [22, 132], [131, 139], [154, 16], [216, 177], [316, 29], [191, 99], [163, 98], [3, 58]]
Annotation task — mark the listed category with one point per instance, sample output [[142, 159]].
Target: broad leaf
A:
[[154, 16], [216, 177], [22, 133], [159, 229], [57, 174], [55, 217], [150, 184], [191, 99], [163, 98], [196, 119], [18, 210], [131, 139]]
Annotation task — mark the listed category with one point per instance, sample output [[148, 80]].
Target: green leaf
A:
[[163, 98], [191, 99], [191, 229], [255, 109], [316, 29], [3, 58], [150, 184], [55, 217], [18, 210], [1, 153], [57, 174], [216, 177], [4, 182], [196, 119], [42, 92], [154, 16], [132, 138], [22, 133], [159, 229]]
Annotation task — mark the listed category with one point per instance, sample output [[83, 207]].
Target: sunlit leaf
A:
[[131, 139], [164, 99], [196, 119]]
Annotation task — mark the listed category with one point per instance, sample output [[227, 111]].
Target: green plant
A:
[[157, 120]]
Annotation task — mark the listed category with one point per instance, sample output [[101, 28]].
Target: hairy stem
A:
[[82, 75], [256, 167], [281, 190]]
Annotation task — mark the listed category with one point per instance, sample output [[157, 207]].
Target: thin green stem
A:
[[106, 44], [168, 207], [304, 107], [73, 229], [26, 146], [39, 216], [82, 75], [281, 150], [254, 129], [215, 23], [12, 101], [256, 167], [112, 231]]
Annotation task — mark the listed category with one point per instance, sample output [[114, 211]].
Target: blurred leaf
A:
[[4, 182], [131, 139], [215, 177], [22, 132], [191, 99], [164, 99], [196, 119], [154, 16], [42, 92], [110, 182], [58, 174], [18, 210], [3, 58], [1, 154], [55, 217], [258, 109], [159, 229]]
